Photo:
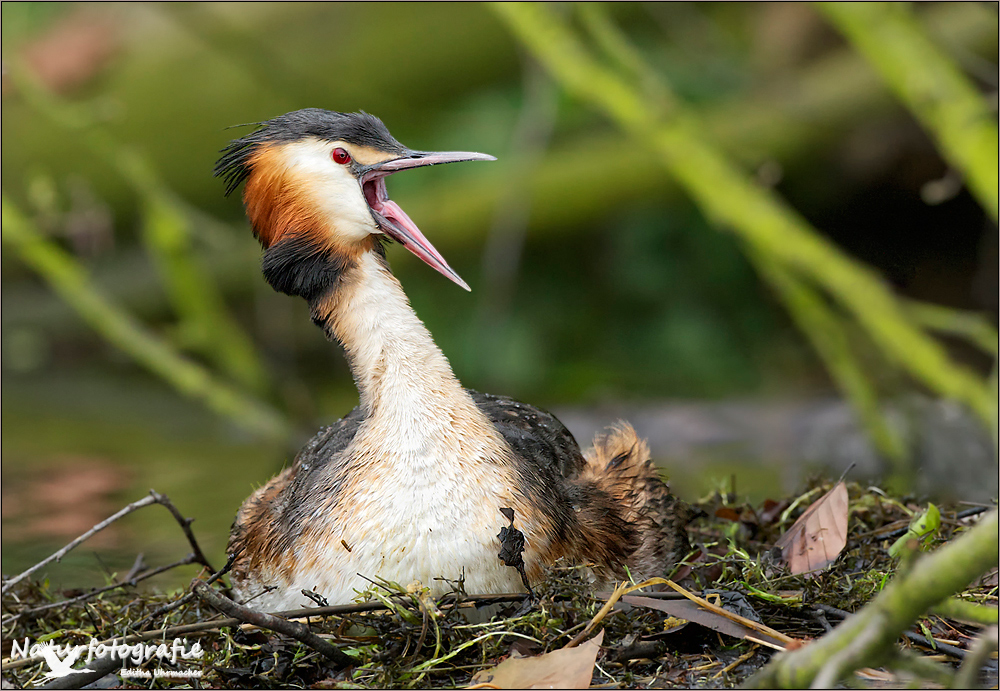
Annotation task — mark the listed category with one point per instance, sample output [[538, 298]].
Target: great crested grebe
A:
[[410, 485]]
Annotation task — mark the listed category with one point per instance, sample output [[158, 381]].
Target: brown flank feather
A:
[[258, 538], [619, 464]]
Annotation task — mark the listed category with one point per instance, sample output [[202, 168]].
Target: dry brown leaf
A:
[[727, 513], [691, 611], [566, 668], [818, 537]]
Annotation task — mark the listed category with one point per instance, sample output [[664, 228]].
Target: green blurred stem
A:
[[970, 326], [779, 121], [205, 324], [67, 278], [829, 337], [963, 610], [578, 178], [819, 323], [615, 45], [728, 197], [931, 85]]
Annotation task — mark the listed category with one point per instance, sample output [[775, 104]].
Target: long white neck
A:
[[407, 388]]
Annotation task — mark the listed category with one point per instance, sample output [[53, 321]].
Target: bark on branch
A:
[[294, 629]]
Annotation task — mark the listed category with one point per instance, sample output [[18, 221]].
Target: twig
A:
[[624, 589], [922, 667], [582, 636], [936, 644], [967, 676], [185, 524], [187, 597], [656, 595], [137, 567], [915, 637], [820, 618], [737, 662], [361, 608], [743, 621], [846, 659], [134, 506], [96, 669], [189, 559], [308, 612], [963, 610], [294, 629], [842, 613], [153, 498]]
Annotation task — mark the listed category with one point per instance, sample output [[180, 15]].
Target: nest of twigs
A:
[[398, 637]]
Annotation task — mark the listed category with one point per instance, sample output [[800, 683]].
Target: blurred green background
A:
[[141, 348]]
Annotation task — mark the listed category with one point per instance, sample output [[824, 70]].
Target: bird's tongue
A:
[[405, 231]]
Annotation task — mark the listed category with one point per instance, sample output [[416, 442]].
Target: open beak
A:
[[393, 221]]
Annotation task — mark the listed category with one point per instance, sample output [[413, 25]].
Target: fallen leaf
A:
[[818, 537], [691, 611], [727, 513], [772, 510], [566, 668], [732, 601]]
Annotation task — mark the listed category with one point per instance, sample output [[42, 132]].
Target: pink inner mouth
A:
[[375, 193], [394, 222]]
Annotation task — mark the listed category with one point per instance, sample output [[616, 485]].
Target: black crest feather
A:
[[361, 128]]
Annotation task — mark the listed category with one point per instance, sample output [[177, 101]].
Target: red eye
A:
[[341, 156]]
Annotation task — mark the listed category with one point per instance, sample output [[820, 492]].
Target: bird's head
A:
[[315, 193]]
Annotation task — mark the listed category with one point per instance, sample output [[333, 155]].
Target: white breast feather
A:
[[430, 489]]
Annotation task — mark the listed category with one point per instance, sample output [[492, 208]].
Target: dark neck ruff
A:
[[295, 266]]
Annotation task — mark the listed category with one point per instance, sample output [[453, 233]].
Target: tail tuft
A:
[[619, 464]]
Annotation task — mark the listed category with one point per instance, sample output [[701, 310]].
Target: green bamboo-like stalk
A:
[[67, 278], [963, 610], [931, 85], [615, 45], [969, 326], [820, 324], [206, 325], [828, 336], [728, 197], [581, 176]]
